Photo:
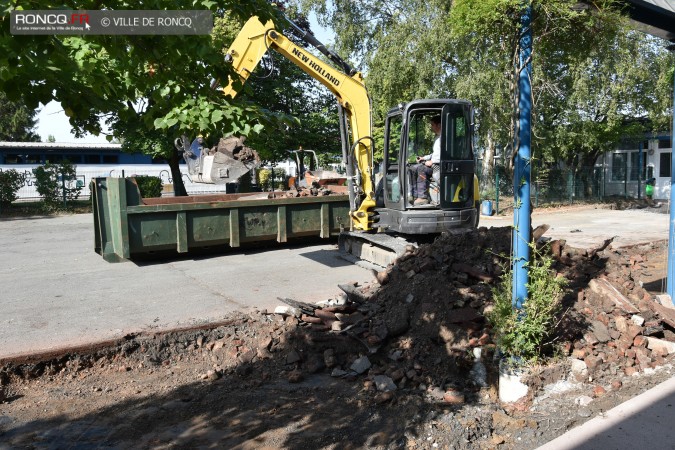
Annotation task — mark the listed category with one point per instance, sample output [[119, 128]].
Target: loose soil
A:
[[388, 365]]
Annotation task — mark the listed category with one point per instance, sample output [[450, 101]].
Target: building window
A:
[[664, 165], [665, 143], [92, 159], [13, 159], [635, 163], [619, 166], [33, 159], [110, 159]]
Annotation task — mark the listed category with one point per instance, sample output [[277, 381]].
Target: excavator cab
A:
[[419, 198]]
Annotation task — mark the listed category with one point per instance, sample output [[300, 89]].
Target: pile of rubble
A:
[[615, 326], [422, 329], [315, 190], [414, 331]]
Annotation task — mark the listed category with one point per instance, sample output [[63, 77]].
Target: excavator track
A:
[[378, 249]]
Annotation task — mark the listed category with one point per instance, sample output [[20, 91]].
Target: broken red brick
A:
[[630, 371], [640, 341], [599, 391]]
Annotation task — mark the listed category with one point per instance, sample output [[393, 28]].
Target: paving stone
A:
[[384, 383], [361, 365]]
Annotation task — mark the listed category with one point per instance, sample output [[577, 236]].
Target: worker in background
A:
[[649, 189], [425, 168]]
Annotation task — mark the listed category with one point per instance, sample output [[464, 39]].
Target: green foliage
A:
[[57, 183], [17, 122], [590, 73], [10, 183], [149, 186], [526, 334], [265, 179], [146, 83]]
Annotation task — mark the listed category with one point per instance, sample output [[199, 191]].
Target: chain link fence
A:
[[554, 185]]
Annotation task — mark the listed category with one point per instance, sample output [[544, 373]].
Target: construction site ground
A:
[[389, 363]]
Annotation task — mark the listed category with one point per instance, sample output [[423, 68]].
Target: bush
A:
[[10, 183], [56, 183], [265, 179], [525, 334], [149, 186]]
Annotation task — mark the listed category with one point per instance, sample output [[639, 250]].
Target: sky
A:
[[52, 120]]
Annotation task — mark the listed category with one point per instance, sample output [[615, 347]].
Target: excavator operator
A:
[[427, 166]]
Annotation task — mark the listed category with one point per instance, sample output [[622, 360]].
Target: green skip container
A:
[[127, 226]]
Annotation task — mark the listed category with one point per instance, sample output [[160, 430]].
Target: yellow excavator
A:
[[407, 198]]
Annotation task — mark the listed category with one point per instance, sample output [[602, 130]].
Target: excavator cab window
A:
[[420, 135], [421, 138], [457, 162], [393, 181]]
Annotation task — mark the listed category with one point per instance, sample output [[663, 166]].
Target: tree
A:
[[150, 87], [469, 49], [17, 122]]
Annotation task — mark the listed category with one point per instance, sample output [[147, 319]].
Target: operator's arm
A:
[[435, 156]]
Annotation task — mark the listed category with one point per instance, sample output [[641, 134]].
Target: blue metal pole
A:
[[639, 170], [521, 179], [671, 237]]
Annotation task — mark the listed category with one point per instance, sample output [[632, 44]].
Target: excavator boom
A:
[[245, 53]]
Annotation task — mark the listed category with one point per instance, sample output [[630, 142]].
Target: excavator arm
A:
[[245, 53]]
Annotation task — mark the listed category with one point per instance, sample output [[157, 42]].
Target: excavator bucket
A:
[[224, 163]]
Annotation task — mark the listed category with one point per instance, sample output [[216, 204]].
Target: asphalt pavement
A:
[[57, 292], [586, 227]]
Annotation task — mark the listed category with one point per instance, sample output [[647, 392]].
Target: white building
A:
[[620, 171]]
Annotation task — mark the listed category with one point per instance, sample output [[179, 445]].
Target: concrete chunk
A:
[[665, 300], [660, 346], [638, 320], [603, 287]]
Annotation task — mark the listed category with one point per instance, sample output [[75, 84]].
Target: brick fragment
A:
[[599, 391], [630, 371], [660, 346], [640, 341]]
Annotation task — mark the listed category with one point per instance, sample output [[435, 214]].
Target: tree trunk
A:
[[585, 170], [178, 186], [488, 164]]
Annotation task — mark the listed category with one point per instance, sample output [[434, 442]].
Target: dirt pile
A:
[[421, 324], [410, 359]]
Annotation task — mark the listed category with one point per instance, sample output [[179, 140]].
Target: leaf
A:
[[257, 128], [216, 116]]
